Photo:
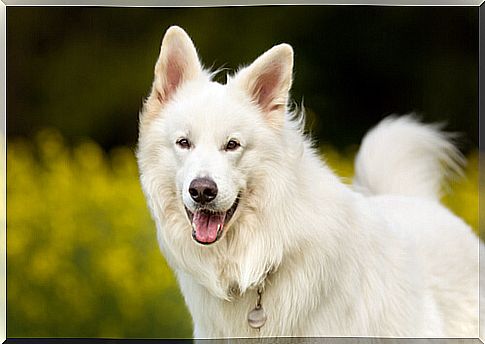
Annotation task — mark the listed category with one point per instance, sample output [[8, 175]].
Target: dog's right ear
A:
[[178, 62]]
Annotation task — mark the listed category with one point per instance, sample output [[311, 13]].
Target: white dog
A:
[[266, 241]]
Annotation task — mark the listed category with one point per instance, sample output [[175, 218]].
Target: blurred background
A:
[[82, 256]]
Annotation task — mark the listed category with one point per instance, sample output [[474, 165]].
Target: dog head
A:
[[202, 143]]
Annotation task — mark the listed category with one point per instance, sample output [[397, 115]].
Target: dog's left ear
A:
[[268, 81]]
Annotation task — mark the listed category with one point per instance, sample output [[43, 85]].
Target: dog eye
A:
[[183, 143], [232, 145]]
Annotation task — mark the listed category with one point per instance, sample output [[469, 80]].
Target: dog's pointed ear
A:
[[178, 62], [268, 81]]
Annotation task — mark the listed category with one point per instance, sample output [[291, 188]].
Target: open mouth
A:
[[208, 225]]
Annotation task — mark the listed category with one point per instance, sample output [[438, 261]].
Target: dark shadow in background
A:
[[85, 70]]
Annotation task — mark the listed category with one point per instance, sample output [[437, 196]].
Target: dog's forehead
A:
[[210, 107]]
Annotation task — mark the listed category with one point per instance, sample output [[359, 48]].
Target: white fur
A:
[[418, 157], [387, 261]]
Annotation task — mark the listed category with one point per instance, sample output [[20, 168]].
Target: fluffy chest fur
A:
[[334, 274]]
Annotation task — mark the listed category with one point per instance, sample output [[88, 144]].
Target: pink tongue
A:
[[206, 226]]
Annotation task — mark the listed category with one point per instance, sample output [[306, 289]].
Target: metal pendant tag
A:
[[257, 317]]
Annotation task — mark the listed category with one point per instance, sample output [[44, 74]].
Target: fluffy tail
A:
[[403, 156]]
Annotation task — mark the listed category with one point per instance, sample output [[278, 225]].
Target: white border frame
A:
[[166, 3]]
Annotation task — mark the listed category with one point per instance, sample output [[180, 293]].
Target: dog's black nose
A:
[[203, 190]]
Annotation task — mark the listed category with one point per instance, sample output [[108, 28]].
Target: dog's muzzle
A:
[[207, 224]]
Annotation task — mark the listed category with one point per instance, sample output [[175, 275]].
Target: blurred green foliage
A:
[[85, 70], [83, 259]]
